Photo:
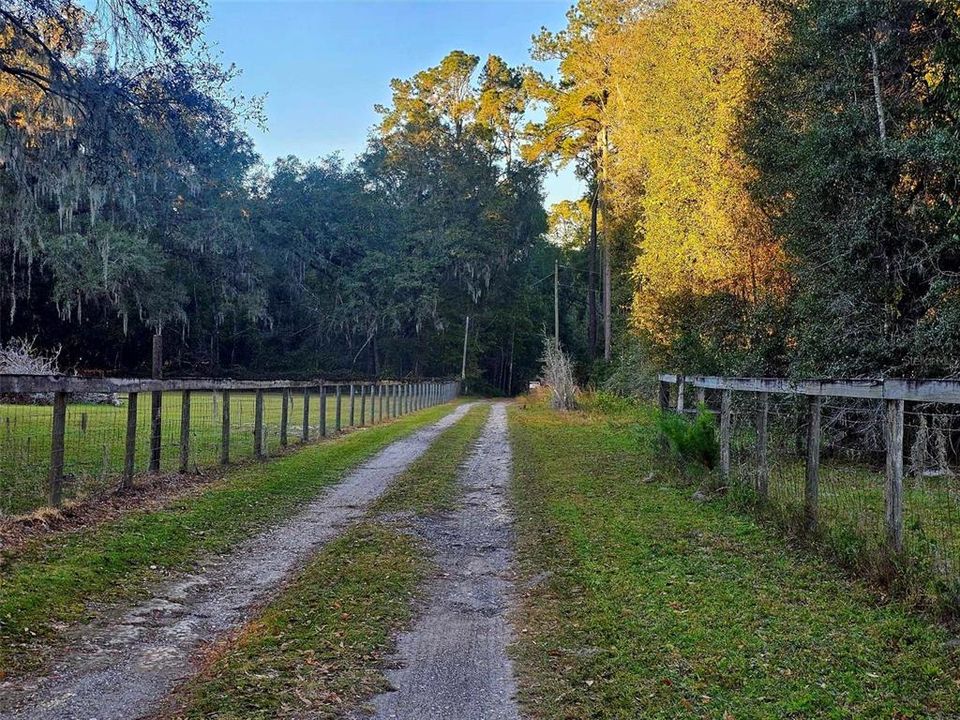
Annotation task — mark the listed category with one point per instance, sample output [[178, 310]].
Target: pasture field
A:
[[95, 439]]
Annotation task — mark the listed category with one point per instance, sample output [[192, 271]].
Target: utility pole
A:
[[463, 366], [556, 303]]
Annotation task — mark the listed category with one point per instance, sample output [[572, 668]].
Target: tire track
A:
[[453, 663]]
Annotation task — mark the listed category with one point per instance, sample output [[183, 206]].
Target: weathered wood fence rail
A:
[[377, 401], [893, 393]]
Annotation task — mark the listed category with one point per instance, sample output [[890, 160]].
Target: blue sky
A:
[[324, 64]]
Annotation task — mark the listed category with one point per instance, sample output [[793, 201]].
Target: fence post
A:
[[664, 395], [156, 404], [812, 490], [726, 402], [681, 391], [352, 398], [57, 447], [363, 404], [380, 399], [763, 463], [701, 397], [130, 450], [284, 415], [258, 425], [185, 431], [337, 418], [323, 411], [305, 431], [894, 485], [225, 429]]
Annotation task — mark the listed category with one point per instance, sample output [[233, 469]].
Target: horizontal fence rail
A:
[[871, 465], [65, 437]]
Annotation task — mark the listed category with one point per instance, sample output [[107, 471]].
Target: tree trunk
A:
[[607, 329], [592, 276]]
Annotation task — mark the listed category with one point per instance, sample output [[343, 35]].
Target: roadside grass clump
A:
[[315, 650], [429, 485], [641, 603], [55, 580]]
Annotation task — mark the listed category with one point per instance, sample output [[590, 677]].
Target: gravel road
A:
[[124, 665], [453, 662]]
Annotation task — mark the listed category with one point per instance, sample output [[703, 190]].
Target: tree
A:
[[854, 137], [680, 171]]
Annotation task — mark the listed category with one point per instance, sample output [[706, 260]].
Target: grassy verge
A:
[[316, 649], [657, 606], [430, 484], [53, 582]]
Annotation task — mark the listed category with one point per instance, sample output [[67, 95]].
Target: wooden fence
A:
[[893, 394], [377, 401]]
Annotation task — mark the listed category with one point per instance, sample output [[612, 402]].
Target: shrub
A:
[[693, 443], [558, 376]]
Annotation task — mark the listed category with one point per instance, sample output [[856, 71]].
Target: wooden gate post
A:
[[352, 401], [701, 397], [185, 431], [763, 461], [337, 418], [284, 415], [156, 405], [225, 429], [130, 449], [323, 411], [726, 404], [258, 439], [681, 392], [57, 447], [305, 430], [811, 495], [894, 484]]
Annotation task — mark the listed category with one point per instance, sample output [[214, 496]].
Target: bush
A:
[[558, 376], [692, 443]]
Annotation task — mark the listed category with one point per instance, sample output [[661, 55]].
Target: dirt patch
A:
[[123, 665], [453, 662]]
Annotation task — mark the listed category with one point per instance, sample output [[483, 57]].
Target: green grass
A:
[[55, 580], [95, 439], [430, 484], [657, 606], [316, 648]]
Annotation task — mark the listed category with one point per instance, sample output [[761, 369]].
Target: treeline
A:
[[132, 203], [774, 184]]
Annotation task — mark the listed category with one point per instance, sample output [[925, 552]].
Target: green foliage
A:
[[692, 442], [852, 129]]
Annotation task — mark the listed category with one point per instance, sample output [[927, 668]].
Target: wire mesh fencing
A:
[[66, 451], [869, 468]]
